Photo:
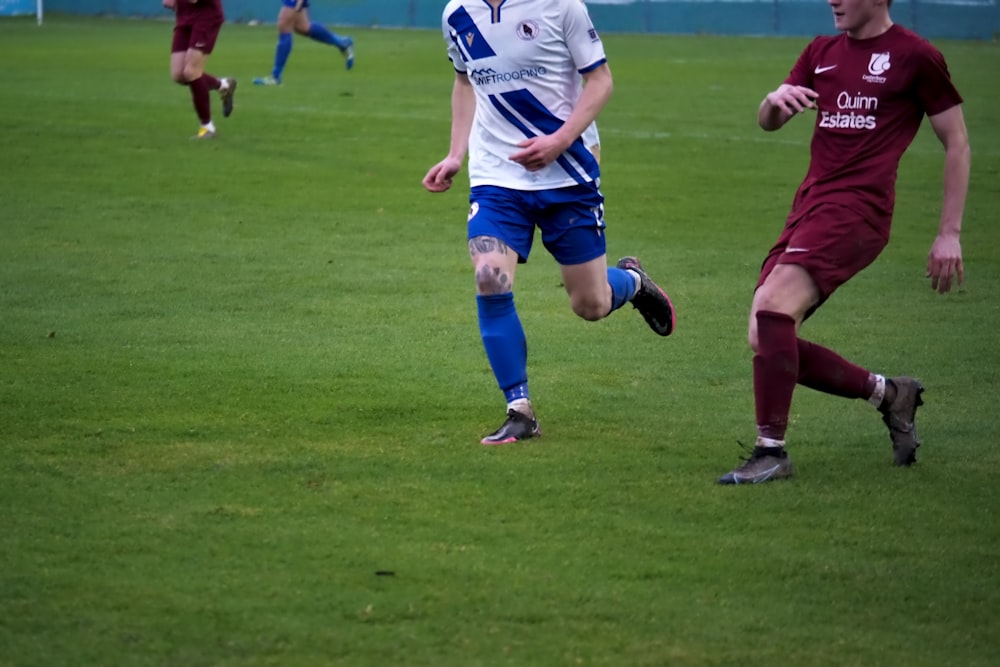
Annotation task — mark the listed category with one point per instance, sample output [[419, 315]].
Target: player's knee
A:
[[491, 279], [190, 74], [590, 308]]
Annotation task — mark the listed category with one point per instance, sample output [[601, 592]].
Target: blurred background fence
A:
[[954, 19]]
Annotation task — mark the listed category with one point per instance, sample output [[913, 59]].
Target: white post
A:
[[38, 11]]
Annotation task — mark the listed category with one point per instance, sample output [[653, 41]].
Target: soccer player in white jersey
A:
[[531, 76]]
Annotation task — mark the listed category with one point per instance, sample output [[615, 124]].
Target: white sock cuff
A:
[[879, 392]]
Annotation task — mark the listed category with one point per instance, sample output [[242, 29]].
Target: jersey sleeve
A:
[[802, 71], [935, 89], [584, 43], [451, 41]]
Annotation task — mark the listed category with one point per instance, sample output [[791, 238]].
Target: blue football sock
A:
[[623, 286], [321, 34], [505, 343], [281, 54]]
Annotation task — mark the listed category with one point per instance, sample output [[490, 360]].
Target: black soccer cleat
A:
[[899, 416], [518, 426], [227, 93], [762, 465], [651, 301]]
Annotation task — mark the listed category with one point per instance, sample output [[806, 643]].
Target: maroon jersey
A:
[[186, 9], [873, 94]]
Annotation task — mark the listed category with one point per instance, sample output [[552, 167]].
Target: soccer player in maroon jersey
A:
[[195, 30], [870, 87]]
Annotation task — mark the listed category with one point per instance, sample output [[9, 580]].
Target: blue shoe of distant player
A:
[[266, 81], [348, 52]]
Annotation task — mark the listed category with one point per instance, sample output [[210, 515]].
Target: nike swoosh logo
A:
[[762, 476], [820, 70]]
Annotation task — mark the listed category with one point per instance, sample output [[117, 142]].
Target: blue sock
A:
[[505, 343], [281, 54], [321, 34], [623, 286]]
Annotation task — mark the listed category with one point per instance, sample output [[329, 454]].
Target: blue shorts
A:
[[291, 4], [571, 220]]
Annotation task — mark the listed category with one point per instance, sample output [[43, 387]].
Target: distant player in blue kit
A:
[[294, 17], [521, 111]]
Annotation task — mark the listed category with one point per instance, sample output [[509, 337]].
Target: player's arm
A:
[[463, 111], [778, 107], [170, 4], [538, 152], [598, 85], [944, 262]]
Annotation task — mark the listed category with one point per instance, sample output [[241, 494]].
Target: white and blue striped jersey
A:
[[524, 60]]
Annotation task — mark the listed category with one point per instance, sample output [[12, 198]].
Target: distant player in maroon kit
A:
[[870, 86], [195, 31]]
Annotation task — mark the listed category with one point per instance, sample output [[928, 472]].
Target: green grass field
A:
[[242, 387]]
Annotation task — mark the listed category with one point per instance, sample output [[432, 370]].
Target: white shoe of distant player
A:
[[205, 132]]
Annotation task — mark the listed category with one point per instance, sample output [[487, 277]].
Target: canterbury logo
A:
[[469, 37], [879, 63]]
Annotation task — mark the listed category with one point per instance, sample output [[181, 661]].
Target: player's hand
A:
[[439, 177], [944, 263], [793, 99], [538, 152], [170, 4]]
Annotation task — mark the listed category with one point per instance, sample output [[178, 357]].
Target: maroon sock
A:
[[775, 372], [212, 82], [824, 370], [202, 103]]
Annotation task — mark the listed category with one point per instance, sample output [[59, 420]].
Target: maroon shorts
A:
[[196, 32], [831, 242]]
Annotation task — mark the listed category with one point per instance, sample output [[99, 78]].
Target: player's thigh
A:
[[204, 34], [289, 19], [788, 289], [495, 265], [177, 66], [179, 44], [832, 243], [503, 214], [588, 288], [301, 22], [590, 276], [194, 64], [572, 225]]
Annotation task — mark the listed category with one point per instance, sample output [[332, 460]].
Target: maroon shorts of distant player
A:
[[196, 30], [832, 242]]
